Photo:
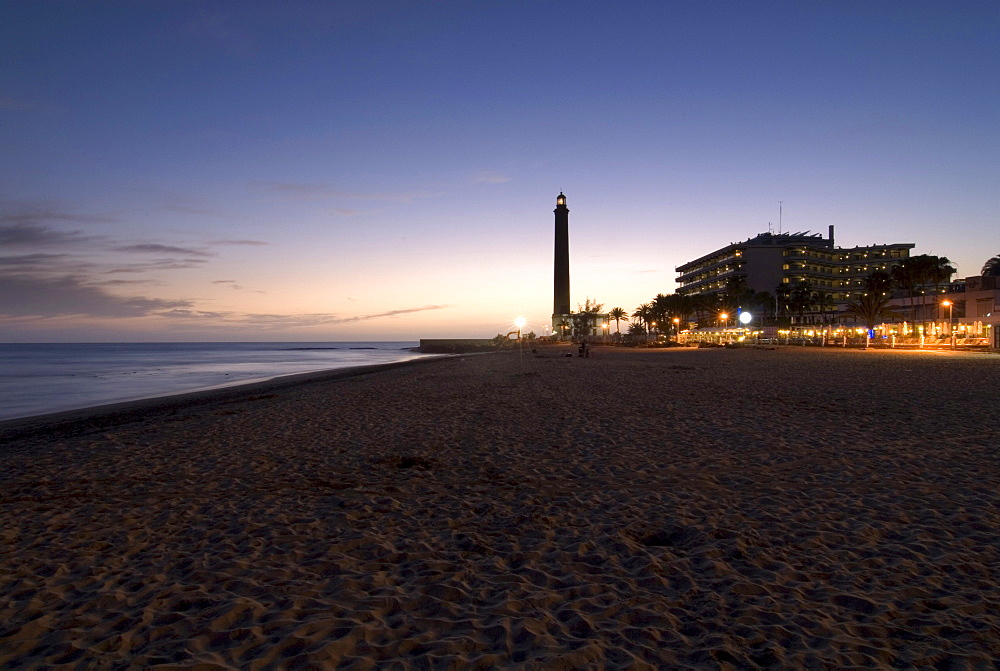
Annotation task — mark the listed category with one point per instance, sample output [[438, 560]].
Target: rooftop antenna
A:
[[779, 216]]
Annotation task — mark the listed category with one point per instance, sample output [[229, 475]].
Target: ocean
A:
[[40, 378]]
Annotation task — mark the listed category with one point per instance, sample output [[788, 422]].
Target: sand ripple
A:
[[717, 509]]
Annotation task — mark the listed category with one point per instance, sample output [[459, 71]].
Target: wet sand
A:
[[712, 508]]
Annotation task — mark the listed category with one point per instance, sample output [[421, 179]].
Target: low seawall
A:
[[455, 346]]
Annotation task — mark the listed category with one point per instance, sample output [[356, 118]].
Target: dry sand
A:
[[639, 509]]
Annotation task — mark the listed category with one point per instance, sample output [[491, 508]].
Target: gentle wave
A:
[[39, 378]]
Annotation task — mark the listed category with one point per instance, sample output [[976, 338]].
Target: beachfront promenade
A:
[[712, 508]]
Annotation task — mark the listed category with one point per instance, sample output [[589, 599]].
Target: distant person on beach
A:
[[584, 349]]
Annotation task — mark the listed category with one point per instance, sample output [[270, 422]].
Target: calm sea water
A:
[[50, 377]]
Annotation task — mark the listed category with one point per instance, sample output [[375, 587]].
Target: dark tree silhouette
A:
[[916, 273], [781, 295], [800, 298], [871, 308], [586, 316], [618, 314], [643, 315]]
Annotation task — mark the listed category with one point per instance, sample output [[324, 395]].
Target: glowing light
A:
[[520, 322], [746, 317]]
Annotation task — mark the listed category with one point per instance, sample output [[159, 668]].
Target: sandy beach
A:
[[715, 508]]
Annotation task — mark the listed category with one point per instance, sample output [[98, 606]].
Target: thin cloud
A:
[[148, 248], [31, 261], [490, 177], [299, 188], [31, 234], [396, 313], [314, 191], [161, 264], [115, 283], [193, 314], [38, 215], [187, 209], [46, 264], [22, 296], [268, 322], [238, 242]]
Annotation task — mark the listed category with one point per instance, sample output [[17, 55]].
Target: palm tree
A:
[[823, 300], [879, 281], [701, 304], [665, 308], [680, 308], [800, 298], [906, 276], [992, 267], [781, 294], [762, 303], [871, 308], [915, 273], [617, 314], [643, 314], [737, 294], [662, 307]]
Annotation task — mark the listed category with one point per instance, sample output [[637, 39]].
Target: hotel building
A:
[[769, 260]]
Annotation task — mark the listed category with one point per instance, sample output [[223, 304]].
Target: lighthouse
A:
[[560, 281]]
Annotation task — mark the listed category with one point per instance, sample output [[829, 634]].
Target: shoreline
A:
[[49, 378], [111, 414], [671, 508]]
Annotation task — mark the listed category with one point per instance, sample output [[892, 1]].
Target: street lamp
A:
[[951, 331], [677, 329]]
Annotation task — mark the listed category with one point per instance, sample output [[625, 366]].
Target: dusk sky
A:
[[388, 170]]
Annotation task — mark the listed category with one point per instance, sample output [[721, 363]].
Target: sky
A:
[[387, 170]]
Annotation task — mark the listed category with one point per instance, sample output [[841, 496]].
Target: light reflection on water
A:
[[40, 378]]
